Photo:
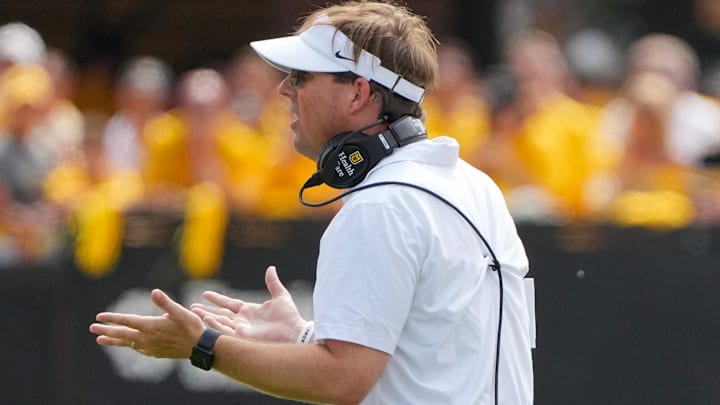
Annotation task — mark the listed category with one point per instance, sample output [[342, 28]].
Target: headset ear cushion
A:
[[346, 159], [329, 150], [346, 164]]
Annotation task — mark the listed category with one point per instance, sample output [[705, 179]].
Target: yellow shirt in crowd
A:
[[559, 145], [468, 123], [264, 170]]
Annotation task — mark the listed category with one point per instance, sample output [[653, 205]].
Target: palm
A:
[[276, 319], [266, 321]]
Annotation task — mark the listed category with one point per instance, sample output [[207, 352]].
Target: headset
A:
[[347, 158]]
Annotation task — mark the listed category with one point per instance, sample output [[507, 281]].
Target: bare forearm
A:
[[306, 372]]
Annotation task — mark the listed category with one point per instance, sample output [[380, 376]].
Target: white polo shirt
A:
[[401, 272]]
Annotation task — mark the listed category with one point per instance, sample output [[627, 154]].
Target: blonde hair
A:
[[400, 39]]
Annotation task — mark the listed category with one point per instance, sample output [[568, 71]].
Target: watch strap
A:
[[208, 339], [201, 355]]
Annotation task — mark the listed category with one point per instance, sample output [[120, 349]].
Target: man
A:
[[28, 224], [406, 306]]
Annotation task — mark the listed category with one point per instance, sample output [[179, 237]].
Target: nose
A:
[[285, 88]]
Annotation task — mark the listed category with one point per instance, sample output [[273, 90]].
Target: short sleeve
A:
[[368, 268]]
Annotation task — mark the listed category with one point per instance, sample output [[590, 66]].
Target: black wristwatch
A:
[[202, 354]]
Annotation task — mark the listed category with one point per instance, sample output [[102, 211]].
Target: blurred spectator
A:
[[20, 44], [557, 138], [202, 140], [661, 129], [27, 92], [257, 103], [653, 188], [498, 156], [60, 135], [67, 183], [142, 92], [203, 161], [93, 199], [455, 107], [596, 65], [254, 96], [690, 122], [27, 224]]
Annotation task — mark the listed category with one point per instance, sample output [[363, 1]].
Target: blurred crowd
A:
[[579, 131]]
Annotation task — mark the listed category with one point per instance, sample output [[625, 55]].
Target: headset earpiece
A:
[[345, 162], [347, 158]]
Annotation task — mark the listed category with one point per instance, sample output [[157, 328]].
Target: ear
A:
[[362, 97]]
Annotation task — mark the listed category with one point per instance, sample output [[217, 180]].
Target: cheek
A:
[[313, 117], [317, 111]]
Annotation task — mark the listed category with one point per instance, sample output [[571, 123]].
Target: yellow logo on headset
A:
[[356, 157]]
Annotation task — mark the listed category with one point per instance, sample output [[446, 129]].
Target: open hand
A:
[[171, 335], [276, 319]]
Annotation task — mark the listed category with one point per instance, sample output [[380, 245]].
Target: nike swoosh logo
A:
[[341, 56]]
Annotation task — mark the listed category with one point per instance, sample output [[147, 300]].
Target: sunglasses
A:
[[298, 77]]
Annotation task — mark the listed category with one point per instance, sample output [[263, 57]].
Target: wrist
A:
[[202, 355], [306, 333]]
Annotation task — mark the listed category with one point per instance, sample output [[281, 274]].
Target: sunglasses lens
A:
[[296, 78]]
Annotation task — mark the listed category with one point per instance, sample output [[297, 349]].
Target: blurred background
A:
[[142, 145]]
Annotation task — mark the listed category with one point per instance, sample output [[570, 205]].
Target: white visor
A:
[[324, 48]]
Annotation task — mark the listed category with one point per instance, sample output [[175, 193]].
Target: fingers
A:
[[223, 301], [173, 309], [163, 301], [272, 281], [217, 325], [108, 341], [114, 335], [204, 310], [129, 320], [213, 319], [103, 340], [168, 336], [224, 324], [203, 314]]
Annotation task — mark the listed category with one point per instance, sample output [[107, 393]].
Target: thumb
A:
[[164, 302], [272, 281]]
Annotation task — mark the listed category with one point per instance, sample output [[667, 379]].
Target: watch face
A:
[[201, 359]]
